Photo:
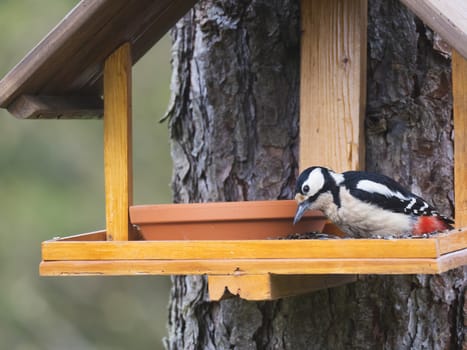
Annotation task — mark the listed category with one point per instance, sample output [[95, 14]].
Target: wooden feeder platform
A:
[[91, 254], [211, 240]]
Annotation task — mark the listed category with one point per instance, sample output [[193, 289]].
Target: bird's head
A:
[[311, 184]]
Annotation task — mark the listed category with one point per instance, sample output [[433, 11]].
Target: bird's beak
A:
[[301, 209]]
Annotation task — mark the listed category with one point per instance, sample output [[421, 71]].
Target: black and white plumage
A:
[[365, 204]]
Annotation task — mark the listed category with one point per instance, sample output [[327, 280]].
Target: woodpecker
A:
[[365, 204]]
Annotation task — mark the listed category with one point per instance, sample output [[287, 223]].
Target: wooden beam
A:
[[250, 287], [333, 83], [447, 17], [432, 247], [117, 143], [57, 107], [270, 286], [459, 92], [255, 266], [255, 249]]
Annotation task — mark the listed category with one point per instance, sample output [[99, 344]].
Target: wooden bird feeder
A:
[[89, 55]]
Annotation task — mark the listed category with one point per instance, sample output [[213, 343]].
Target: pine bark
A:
[[234, 129]]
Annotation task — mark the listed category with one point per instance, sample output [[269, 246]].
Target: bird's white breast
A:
[[361, 219]]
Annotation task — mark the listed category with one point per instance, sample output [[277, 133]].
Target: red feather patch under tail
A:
[[429, 224]]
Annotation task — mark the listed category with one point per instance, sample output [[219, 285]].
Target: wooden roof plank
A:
[[55, 107], [86, 62], [52, 53], [446, 17], [153, 24], [69, 60], [159, 24]]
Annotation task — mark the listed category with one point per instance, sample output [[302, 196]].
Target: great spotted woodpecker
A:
[[366, 204]]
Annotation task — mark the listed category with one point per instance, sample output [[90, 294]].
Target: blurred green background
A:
[[51, 184]]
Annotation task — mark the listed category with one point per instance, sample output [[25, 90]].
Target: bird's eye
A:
[[305, 189]]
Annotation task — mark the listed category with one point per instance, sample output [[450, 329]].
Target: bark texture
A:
[[234, 129]]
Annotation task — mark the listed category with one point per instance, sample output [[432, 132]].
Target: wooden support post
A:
[[117, 143], [333, 83], [459, 91]]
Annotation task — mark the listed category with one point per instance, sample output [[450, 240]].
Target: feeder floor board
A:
[[254, 266], [88, 254]]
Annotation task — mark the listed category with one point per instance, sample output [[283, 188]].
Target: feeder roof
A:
[[62, 75], [448, 18]]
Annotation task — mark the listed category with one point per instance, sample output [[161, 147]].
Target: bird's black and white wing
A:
[[386, 193]]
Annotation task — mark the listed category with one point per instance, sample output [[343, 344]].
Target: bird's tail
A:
[[430, 224]]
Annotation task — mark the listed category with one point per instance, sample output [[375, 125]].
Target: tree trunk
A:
[[234, 130]]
